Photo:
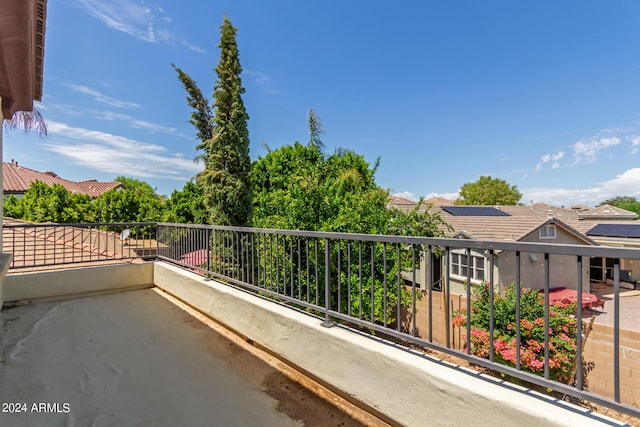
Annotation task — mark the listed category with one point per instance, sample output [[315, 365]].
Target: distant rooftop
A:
[[17, 179], [513, 223]]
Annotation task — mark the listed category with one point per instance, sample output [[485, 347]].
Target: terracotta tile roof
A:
[[17, 179], [48, 246]]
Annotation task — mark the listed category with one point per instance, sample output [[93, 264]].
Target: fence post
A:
[[327, 284]]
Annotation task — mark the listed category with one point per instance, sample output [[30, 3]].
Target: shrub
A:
[[562, 330]]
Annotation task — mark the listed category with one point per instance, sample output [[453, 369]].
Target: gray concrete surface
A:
[[134, 358], [629, 307]]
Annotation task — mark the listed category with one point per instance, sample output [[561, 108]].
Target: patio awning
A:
[[22, 29]]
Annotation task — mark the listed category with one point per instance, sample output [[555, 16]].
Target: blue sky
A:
[[544, 94]]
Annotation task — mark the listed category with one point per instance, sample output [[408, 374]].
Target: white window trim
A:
[[547, 232], [475, 256]]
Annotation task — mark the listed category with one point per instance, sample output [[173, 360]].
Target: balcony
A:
[[306, 299]]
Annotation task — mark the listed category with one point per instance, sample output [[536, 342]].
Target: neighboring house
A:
[[539, 223], [17, 179]]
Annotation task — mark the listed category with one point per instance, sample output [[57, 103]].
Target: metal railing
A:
[[45, 245], [404, 288]]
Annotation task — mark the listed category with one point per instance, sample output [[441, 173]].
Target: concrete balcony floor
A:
[[143, 358]]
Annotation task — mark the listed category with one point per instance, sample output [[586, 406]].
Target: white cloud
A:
[[261, 80], [554, 158], [102, 98], [116, 154], [133, 122], [69, 110], [587, 151], [154, 127], [635, 143], [561, 196], [136, 19], [625, 184]]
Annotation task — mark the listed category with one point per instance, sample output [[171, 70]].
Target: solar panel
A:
[[474, 211], [599, 230], [615, 230]]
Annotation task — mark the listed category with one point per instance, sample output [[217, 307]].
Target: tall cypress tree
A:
[[225, 180], [201, 116]]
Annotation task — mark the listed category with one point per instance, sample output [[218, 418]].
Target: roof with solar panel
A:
[[519, 223]]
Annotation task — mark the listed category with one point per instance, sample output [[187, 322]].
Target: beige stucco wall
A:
[[77, 281], [563, 269], [409, 388]]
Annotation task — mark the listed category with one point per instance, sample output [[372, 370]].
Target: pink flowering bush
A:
[[562, 330]]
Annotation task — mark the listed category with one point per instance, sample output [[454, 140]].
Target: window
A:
[[459, 266], [548, 231]]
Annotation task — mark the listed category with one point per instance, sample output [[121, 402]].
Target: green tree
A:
[[128, 205], [12, 207], [224, 136], [615, 201], [417, 222], [186, 206], [140, 187], [201, 116], [298, 187], [315, 130], [489, 191], [42, 203]]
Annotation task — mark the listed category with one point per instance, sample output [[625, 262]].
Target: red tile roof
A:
[[17, 179]]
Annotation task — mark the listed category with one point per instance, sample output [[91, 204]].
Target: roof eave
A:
[[22, 34]]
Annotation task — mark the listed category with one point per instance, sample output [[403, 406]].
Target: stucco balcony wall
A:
[[406, 387], [76, 282]]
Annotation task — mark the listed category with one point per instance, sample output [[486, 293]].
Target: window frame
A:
[[548, 232], [458, 265]]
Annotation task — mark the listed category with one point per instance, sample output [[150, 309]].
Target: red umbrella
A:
[[195, 258], [567, 296]]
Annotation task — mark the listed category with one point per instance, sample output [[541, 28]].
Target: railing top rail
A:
[[79, 225], [491, 245]]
